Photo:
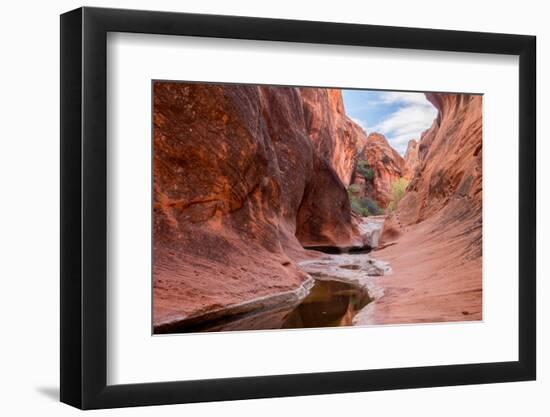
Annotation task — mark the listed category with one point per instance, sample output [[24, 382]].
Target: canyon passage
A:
[[273, 209]]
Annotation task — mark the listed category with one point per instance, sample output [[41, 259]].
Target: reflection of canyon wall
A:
[[238, 185], [448, 180], [387, 164], [411, 159]]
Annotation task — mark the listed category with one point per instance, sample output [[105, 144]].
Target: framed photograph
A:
[[257, 208]]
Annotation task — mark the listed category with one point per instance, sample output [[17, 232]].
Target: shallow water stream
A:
[[338, 293], [329, 304]]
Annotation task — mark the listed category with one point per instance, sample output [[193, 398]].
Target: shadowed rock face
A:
[[388, 167], [243, 176]]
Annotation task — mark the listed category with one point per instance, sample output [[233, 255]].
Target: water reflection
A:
[[329, 304]]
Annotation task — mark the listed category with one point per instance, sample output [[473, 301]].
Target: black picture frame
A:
[[84, 207]]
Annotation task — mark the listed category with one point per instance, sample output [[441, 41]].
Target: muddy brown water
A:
[[329, 304]]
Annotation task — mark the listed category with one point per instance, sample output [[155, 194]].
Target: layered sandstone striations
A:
[[243, 177], [382, 165], [435, 234], [449, 166], [335, 136]]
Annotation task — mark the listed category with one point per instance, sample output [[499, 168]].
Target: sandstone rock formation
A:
[[411, 159], [243, 177], [335, 136], [434, 239], [386, 164], [449, 171]]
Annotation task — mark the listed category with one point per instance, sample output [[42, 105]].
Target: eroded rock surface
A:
[[370, 229], [243, 177], [386, 164], [449, 171], [335, 136], [411, 159], [433, 240]]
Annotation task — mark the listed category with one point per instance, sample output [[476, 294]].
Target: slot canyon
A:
[[273, 209]]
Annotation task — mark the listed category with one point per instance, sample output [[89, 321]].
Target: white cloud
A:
[[415, 115], [404, 98], [399, 143]]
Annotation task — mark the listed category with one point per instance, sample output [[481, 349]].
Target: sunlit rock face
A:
[[243, 177], [449, 173], [411, 159], [434, 238], [387, 166], [335, 136]]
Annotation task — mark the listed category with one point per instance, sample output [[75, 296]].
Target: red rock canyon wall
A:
[[388, 167], [335, 136], [243, 177], [411, 159], [436, 231], [448, 180]]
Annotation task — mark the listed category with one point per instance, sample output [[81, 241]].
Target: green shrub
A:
[[365, 169], [398, 189], [372, 206], [364, 206], [354, 188], [358, 208]]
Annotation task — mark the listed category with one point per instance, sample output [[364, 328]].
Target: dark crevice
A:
[[335, 250]]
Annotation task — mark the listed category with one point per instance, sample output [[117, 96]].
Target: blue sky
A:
[[399, 116]]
